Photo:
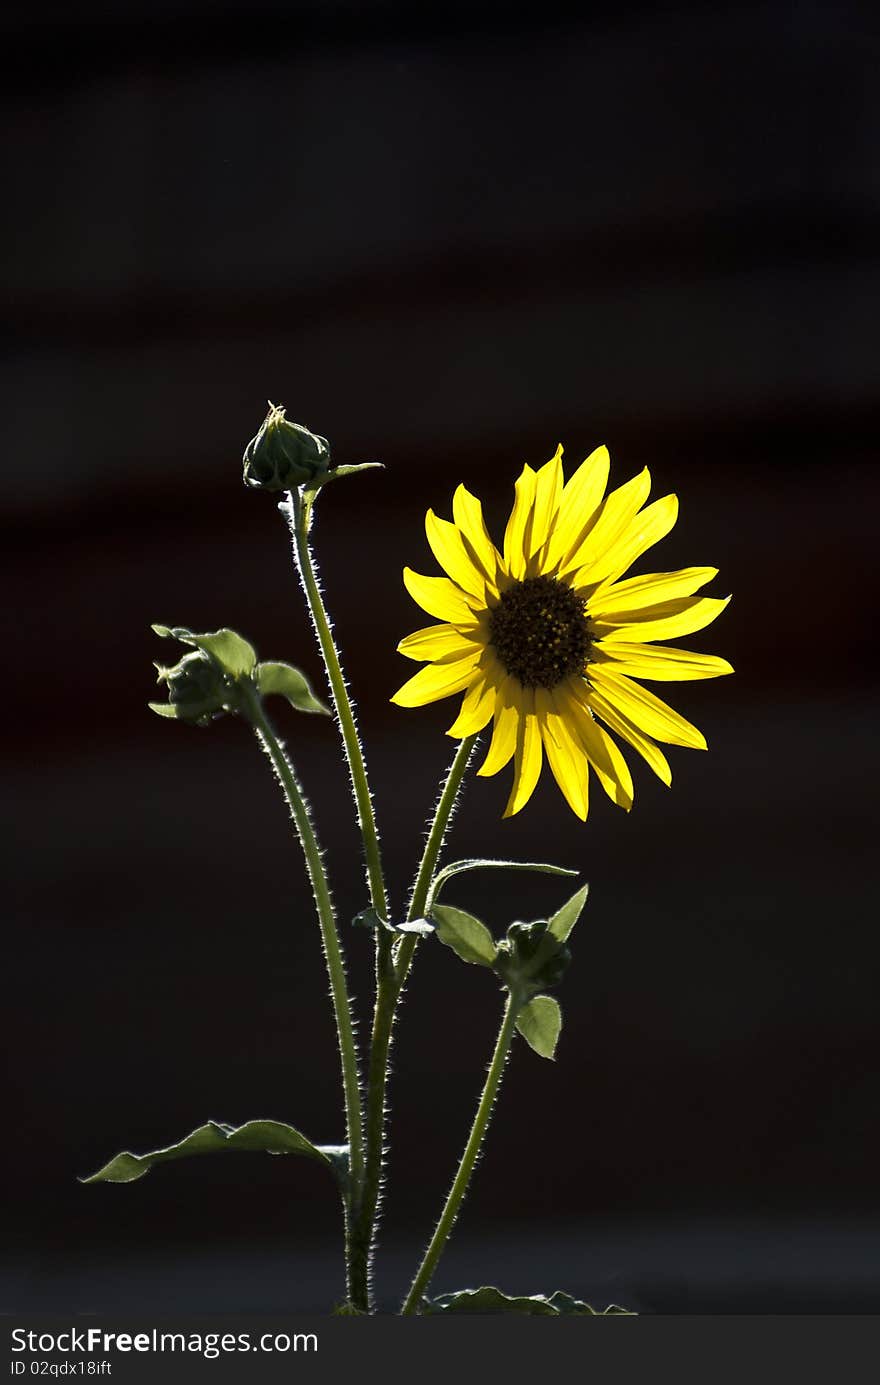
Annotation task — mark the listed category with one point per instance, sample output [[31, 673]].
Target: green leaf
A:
[[539, 1022], [290, 683], [339, 471], [566, 1306], [488, 1299], [271, 1137], [227, 648], [564, 920], [465, 934], [479, 863], [371, 919]]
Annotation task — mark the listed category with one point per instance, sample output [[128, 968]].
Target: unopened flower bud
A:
[[197, 689], [284, 455], [531, 959]]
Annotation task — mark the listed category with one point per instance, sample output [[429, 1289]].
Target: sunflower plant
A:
[[548, 640]]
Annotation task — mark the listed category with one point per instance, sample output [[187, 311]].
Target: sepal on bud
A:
[[226, 647]]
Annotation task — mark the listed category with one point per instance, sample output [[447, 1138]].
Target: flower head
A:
[[284, 455], [547, 637]]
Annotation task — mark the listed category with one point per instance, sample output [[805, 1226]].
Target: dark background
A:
[[448, 237]]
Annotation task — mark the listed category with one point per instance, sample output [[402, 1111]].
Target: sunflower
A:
[[547, 638]]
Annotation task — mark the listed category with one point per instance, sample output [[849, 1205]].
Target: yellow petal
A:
[[647, 712], [618, 509], [435, 681], [468, 515], [574, 712], [660, 663], [638, 594], [439, 597], [477, 708], [436, 643], [503, 744], [647, 528], [611, 769], [661, 622], [548, 490], [527, 756], [519, 524], [579, 506], [618, 785], [645, 747], [448, 548], [567, 761]]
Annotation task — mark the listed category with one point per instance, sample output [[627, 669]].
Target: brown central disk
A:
[[540, 632]]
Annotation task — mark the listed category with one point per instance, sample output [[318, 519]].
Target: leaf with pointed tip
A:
[[539, 1022], [226, 647], [564, 920], [349, 470], [465, 934], [284, 679], [479, 863], [268, 1136]]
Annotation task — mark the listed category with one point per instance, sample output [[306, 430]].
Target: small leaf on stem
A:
[[540, 1022], [289, 682], [465, 934], [371, 920], [349, 469]]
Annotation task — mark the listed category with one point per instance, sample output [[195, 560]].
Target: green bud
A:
[[284, 455], [197, 689], [530, 959]]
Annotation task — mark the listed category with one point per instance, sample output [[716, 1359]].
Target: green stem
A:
[[298, 510], [391, 976], [299, 809], [442, 815], [468, 1159], [431, 854]]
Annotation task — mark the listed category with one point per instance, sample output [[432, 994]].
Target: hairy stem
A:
[[391, 975], [299, 810], [468, 1159], [437, 832], [298, 512]]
